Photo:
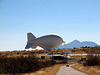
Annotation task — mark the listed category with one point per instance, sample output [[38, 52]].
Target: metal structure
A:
[[47, 42]]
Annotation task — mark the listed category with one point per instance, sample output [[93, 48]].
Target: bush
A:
[[11, 65], [48, 63], [92, 60]]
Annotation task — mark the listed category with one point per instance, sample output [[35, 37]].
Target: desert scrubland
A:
[[27, 62]]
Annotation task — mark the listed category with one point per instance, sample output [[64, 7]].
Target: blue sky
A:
[[71, 19]]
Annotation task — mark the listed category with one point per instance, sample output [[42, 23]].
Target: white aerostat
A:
[[47, 42]]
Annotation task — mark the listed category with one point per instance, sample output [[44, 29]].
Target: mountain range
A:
[[78, 44]]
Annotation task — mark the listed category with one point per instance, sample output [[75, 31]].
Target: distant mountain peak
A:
[[78, 44], [75, 41]]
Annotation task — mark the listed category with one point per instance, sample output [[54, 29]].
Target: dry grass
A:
[[92, 64], [13, 53], [74, 51], [91, 70], [78, 57], [79, 52], [47, 71]]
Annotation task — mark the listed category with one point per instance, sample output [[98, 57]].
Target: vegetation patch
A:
[[13, 65], [92, 60]]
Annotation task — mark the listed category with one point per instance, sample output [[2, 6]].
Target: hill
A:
[[78, 44]]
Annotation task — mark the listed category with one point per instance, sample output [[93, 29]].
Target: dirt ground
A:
[[91, 70], [47, 71]]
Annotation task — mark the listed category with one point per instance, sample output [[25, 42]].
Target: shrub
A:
[[48, 63], [92, 60], [11, 65]]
